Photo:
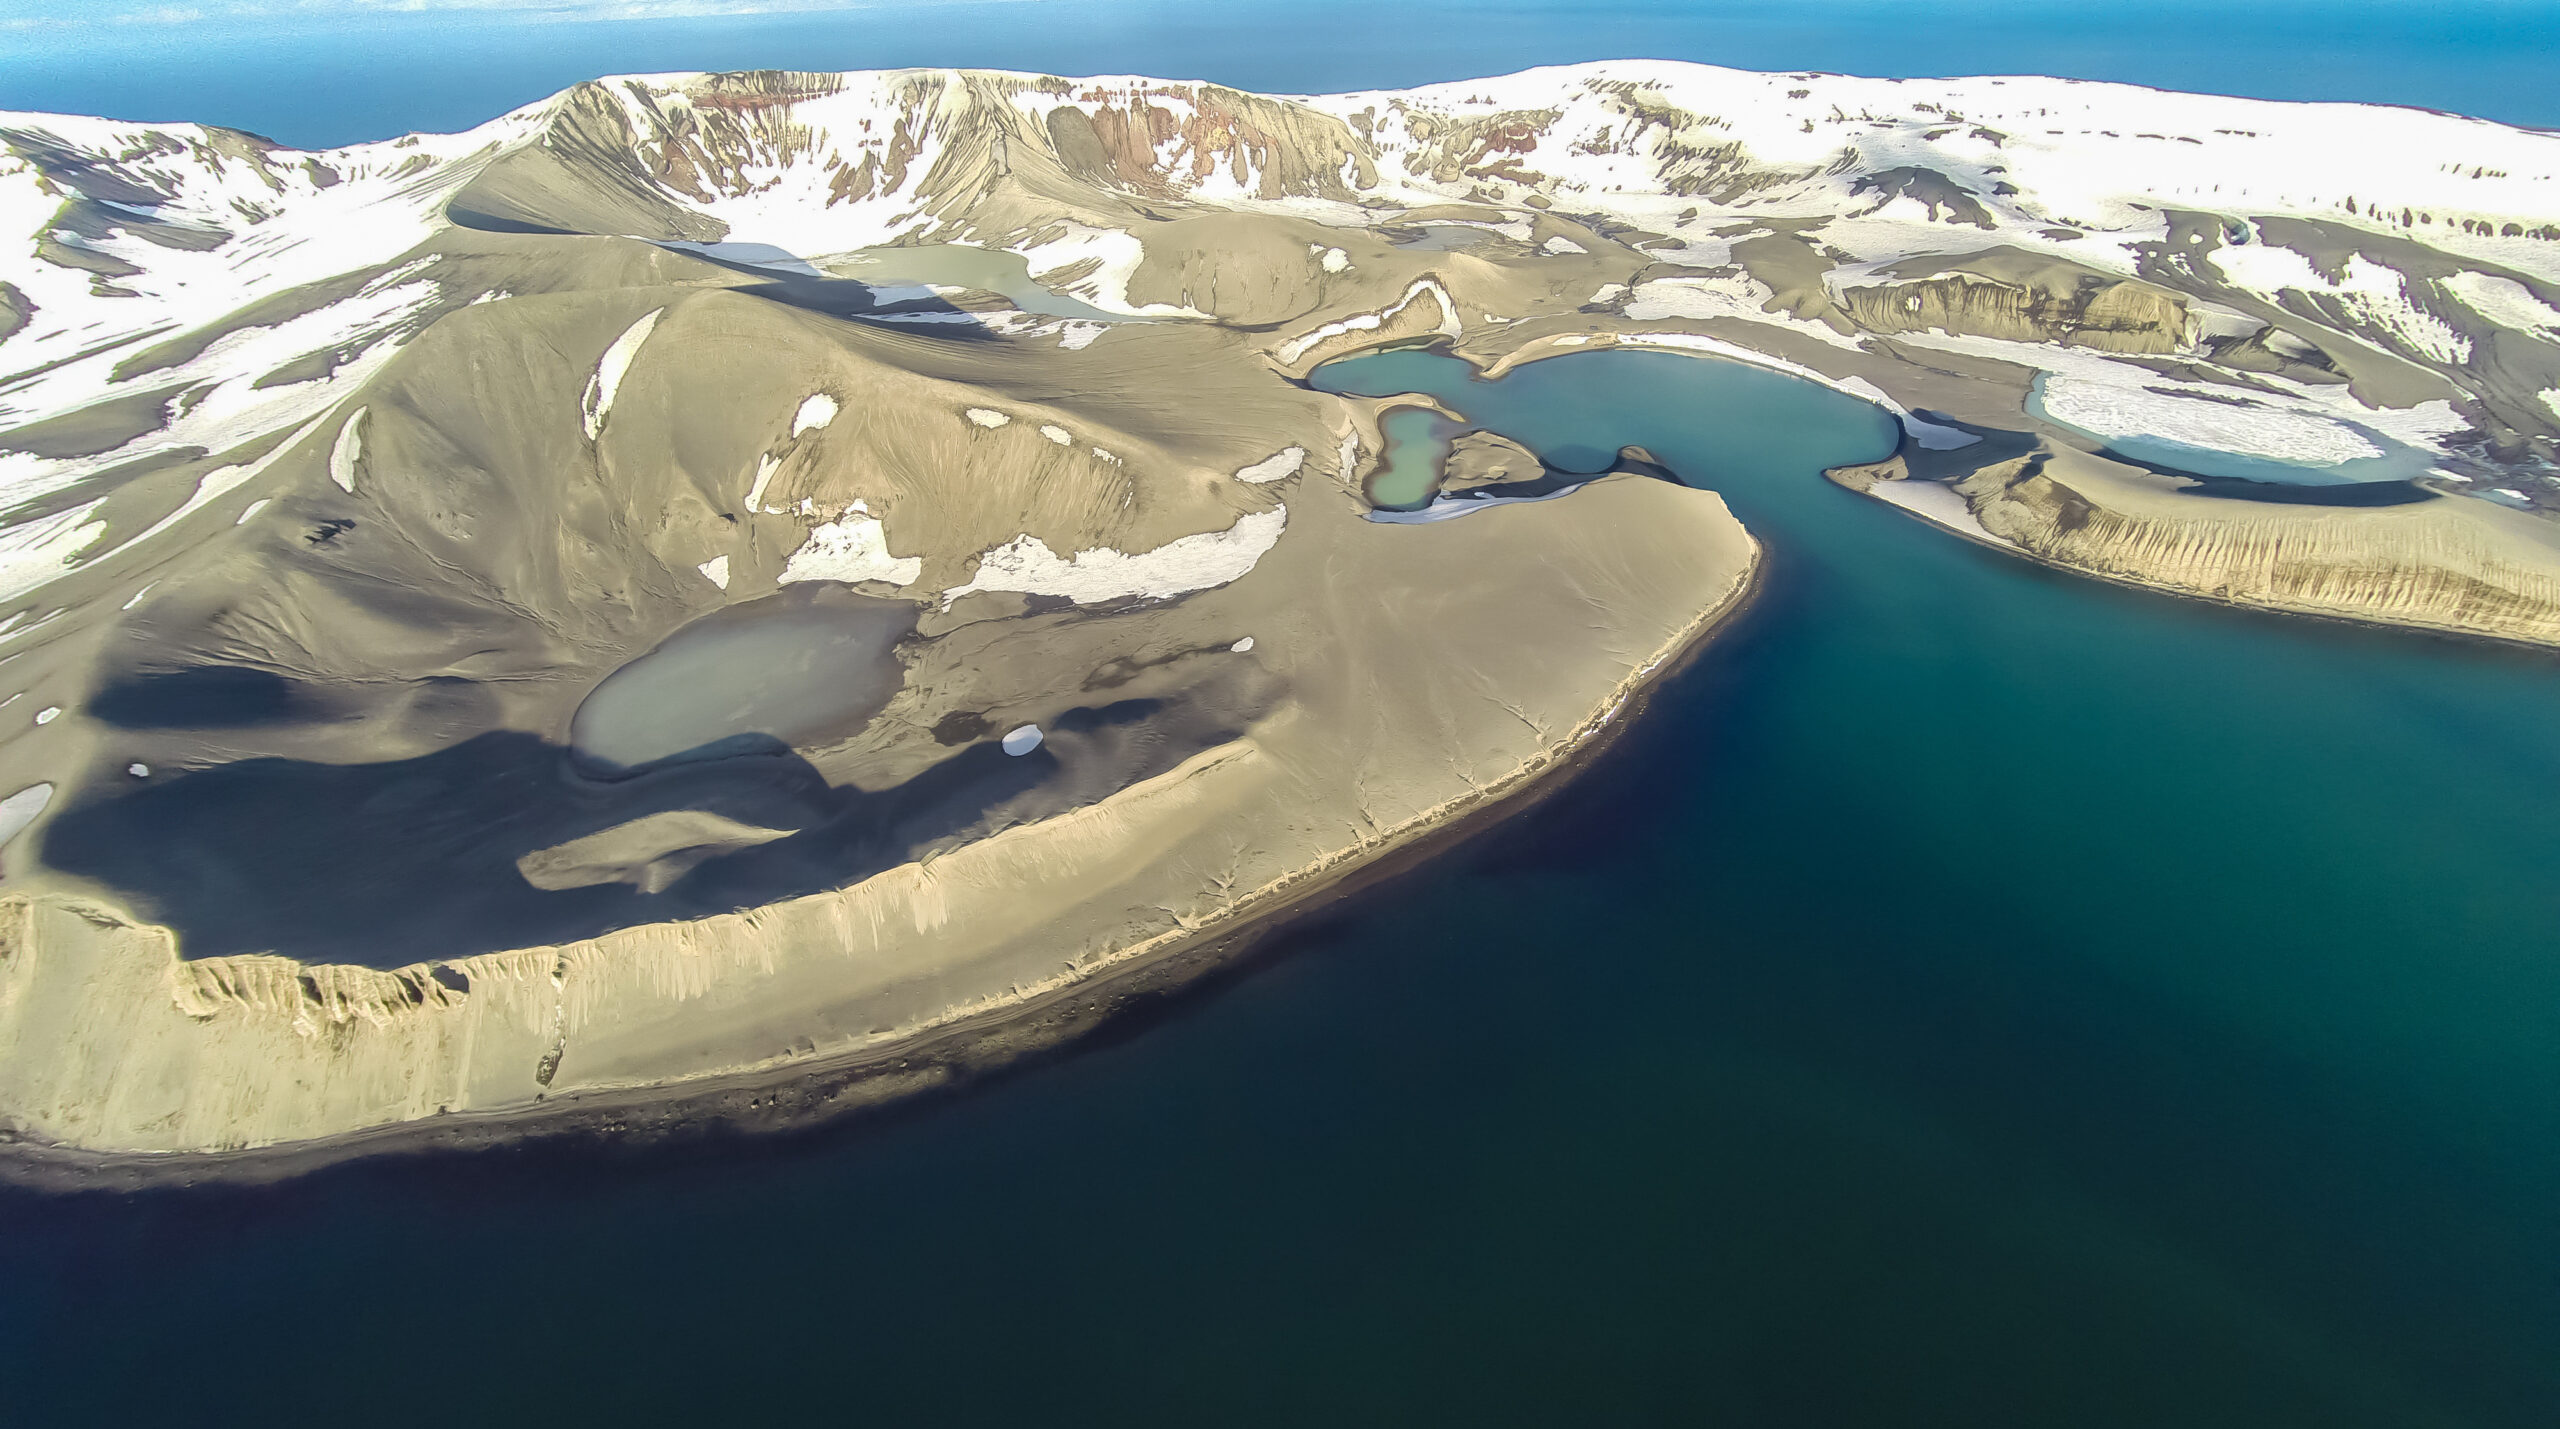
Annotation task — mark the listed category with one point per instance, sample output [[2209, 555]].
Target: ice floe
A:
[[854, 547]]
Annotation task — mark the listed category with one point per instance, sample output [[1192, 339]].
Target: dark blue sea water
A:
[[1969, 996], [317, 80]]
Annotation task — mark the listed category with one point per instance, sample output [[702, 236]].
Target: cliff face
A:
[[2443, 564]]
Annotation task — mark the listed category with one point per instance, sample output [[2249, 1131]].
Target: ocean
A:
[[1969, 995]]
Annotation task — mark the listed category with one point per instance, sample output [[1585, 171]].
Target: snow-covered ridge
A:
[[259, 287]]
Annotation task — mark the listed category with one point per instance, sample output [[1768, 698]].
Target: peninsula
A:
[[745, 594]]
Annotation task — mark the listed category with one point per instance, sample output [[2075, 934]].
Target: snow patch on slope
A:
[[1189, 563], [1298, 347], [611, 368], [347, 451], [854, 547], [1280, 464], [815, 412]]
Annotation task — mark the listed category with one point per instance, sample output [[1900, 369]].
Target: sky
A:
[[320, 72]]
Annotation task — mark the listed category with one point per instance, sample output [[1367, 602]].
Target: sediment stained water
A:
[[1970, 995]]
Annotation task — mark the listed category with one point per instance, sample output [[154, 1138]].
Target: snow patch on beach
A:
[[1935, 503], [1927, 435], [1189, 563]]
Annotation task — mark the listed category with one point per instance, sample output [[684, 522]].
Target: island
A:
[[728, 598]]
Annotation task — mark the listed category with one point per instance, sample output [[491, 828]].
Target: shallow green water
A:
[[1969, 996], [1417, 441]]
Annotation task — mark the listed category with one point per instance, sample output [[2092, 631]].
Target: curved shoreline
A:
[[951, 1058]]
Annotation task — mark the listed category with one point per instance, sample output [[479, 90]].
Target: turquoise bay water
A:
[[1968, 996]]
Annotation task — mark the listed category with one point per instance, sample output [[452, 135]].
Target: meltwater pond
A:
[[809, 661], [1970, 996]]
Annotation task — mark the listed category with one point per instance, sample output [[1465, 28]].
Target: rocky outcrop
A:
[[1481, 459], [2006, 294]]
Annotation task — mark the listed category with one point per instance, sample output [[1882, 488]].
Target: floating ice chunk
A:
[[48, 714], [138, 771], [1022, 739], [1243, 647], [1056, 434], [610, 370], [815, 412], [987, 417], [716, 571], [253, 509], [1283, 463], [1559, 246], [854, 547], [1189, 563], [20, 809], [348, 451]]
